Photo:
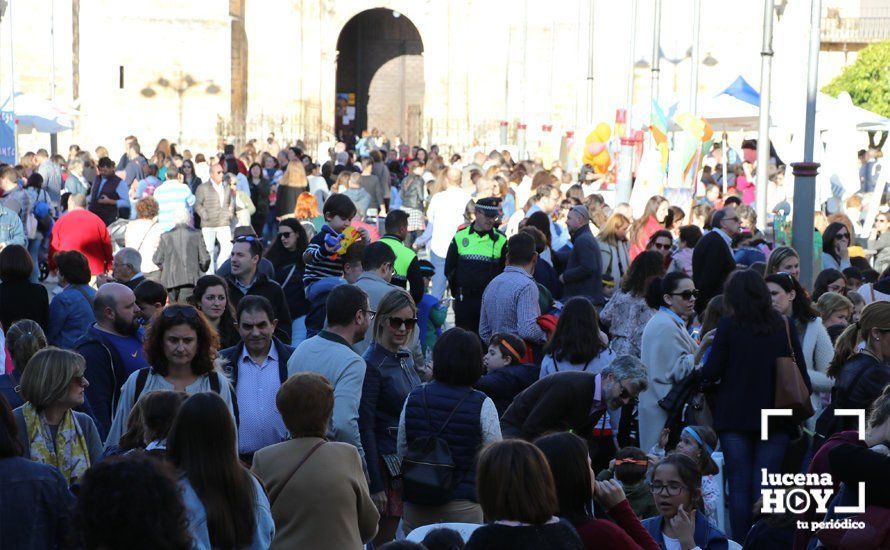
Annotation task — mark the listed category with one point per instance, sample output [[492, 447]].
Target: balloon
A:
[[595, 147]]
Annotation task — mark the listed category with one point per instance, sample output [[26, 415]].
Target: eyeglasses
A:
[[624, 393], [370, 313], [180, 312], [839, 288], [658, 246], [686, 294], [396, 323], [669, 490]]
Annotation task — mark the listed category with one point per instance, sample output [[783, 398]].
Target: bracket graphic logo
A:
[[797, 493]]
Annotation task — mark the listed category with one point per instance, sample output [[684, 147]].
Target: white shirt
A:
[[260, 425], [220, 189], [446, 213]]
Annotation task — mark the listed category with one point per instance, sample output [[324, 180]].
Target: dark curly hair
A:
[[132, 501], [173, 316]]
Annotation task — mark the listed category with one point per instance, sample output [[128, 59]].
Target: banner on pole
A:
[[7, 137]]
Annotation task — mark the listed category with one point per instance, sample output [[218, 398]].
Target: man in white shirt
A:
[[446, 213]]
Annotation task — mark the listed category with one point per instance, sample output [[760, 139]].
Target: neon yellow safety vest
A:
[[404, 256], [473, 246]]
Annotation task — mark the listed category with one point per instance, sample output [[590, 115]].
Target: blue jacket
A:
[[70, 316], [106, 371], [463, 433], [389, 379], [37, 505], [11, 230], [505, 383], [707, 536], [317, 296], [233, 354]]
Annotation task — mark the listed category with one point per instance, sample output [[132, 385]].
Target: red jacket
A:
[[84, 231]]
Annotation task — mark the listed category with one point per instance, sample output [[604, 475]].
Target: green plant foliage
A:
[[867, 80]]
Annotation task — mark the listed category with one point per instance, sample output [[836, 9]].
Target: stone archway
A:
[[380, 77]]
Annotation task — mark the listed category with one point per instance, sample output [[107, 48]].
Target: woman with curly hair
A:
[[132, 502], [306, 212], [181, 347]]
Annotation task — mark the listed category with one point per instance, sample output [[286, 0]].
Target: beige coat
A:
[[326, 504]]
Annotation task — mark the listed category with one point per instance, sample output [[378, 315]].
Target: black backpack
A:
[[428, 470]]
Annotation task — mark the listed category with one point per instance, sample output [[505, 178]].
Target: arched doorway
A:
[[380, 80]]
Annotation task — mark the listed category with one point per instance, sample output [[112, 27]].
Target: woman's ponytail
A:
[[844, 348]]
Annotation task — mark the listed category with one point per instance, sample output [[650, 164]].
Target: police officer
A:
[[475, 257], [406, 271]]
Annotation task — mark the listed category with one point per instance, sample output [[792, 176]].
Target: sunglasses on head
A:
[[396, 323], [246, 239], [180, 312], [686, 294]]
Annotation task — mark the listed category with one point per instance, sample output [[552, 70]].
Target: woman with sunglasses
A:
[[181, 347], [389, 378], [791, 300], [49, 430], [286, 255], [743, 358], [662, 241], [879, 242], [667, 349], [835, 244]]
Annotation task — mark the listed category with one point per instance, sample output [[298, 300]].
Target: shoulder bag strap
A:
[[289, 275], [454, 410], [145, 236], [273, 495], [788, 335], [141, 379], [84, 294]]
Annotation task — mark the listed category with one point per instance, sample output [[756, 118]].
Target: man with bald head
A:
[[112, 348]]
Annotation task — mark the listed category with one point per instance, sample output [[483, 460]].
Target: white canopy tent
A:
[[35, 114]]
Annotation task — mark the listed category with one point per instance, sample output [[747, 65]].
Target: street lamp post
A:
[[180, 86], [766, 61], [805, 172]]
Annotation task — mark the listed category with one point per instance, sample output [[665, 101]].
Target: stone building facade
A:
[[204, 71]]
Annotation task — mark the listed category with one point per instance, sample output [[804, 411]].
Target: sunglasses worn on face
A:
[[662, 246], [285, 234], [396, 323], [686, 294], [842, 236], [180, 312]]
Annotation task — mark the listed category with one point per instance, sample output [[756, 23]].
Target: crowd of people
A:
[[391, 348]]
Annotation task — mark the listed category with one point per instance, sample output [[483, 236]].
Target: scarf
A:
[[70, 454]]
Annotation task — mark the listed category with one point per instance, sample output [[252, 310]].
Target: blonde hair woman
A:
[[614, 249], [292, 183], [835, 309], [861, 374], [389, 378], [50, 431]]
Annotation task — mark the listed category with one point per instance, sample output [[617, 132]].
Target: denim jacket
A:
[[11, 230], [197, 517], [70, 316], [36, 503]]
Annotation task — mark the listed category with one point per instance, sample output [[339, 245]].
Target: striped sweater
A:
[[320, 263], [172, 196]]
